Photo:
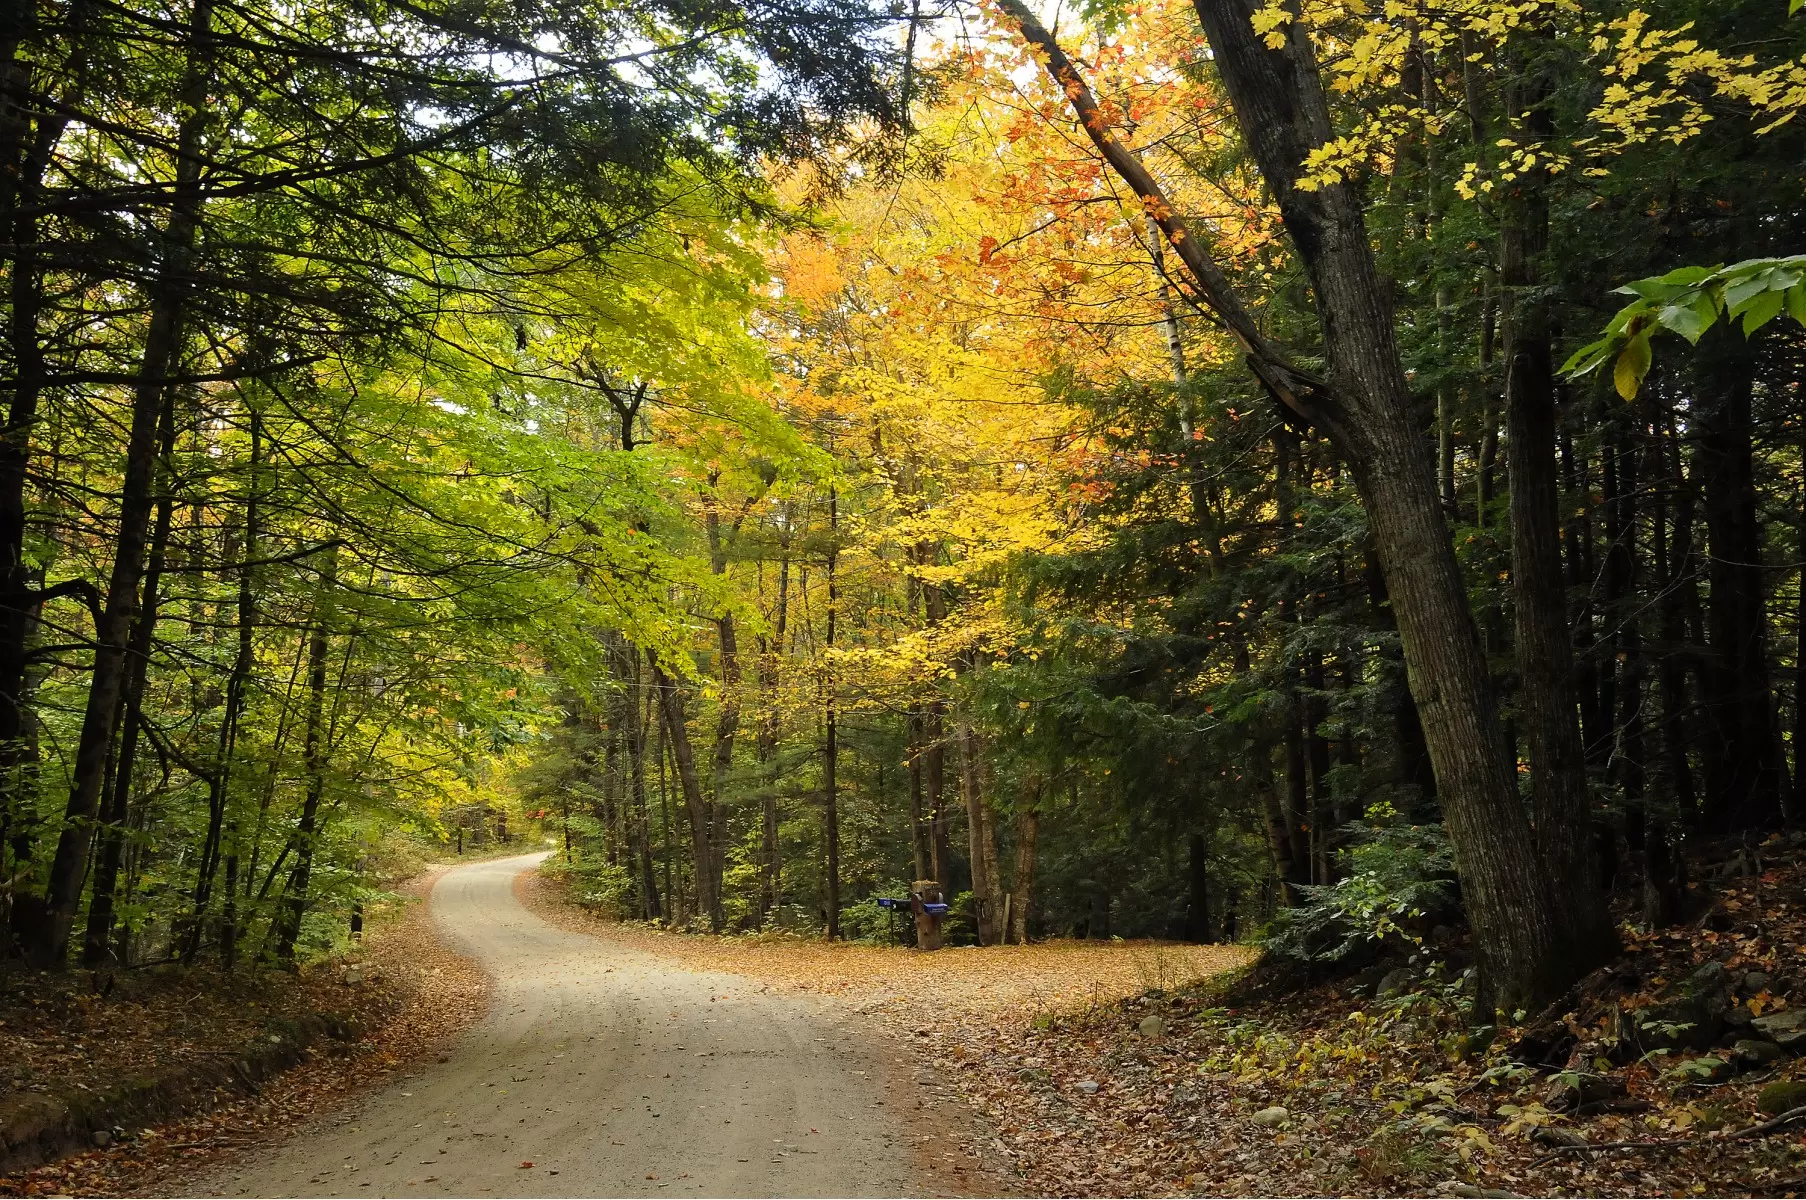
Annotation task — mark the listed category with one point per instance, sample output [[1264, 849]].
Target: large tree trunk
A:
[[934, 758], [1560, 805], [918, 842], [96, 937], [771, 662], [1197, 871], [1028, 832], [1744, 784], [29, 134], [1366, 408]]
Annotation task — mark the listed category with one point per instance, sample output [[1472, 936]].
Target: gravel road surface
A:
[[611, 1072]]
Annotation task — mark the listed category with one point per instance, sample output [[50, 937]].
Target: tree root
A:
[[1768, 1126]]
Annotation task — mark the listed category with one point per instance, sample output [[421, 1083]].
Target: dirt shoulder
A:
[[395, 1001]]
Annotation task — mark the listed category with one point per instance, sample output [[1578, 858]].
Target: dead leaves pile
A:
[[1049, 978], [418, 993]]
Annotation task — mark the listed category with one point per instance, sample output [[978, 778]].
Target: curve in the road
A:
[[613, 1073]]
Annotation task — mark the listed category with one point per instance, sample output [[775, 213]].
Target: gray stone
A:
[[1708, 977], [1756, 981], [1693, 1014], [1787, 1029], [1088, 1086], [1032, 1075], [1778, 1098], [1404, 1031], [1789, 1020], [1270, 1116], [1152, 1027], [103, 1138], [1755, 1052], [1394, 982]]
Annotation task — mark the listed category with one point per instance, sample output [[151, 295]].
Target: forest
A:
[[1229, 471]]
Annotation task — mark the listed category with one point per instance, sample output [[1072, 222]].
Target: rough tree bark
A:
[[96, 937], [1028, 832], [1561, 806], [1745, 782]]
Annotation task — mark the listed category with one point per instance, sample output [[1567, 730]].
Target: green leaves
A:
[[1689, 301]]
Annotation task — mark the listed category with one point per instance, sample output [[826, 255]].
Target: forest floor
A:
[[1116, 1069], [403, 990]]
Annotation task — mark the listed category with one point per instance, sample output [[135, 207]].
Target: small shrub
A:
[[1393, 874]]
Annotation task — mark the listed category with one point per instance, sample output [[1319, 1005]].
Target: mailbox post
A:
[[930, 906]]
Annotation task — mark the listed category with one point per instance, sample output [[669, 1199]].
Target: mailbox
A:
[[929, 904]]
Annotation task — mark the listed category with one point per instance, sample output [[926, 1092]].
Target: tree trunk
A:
[[1561, 807], [237, 684], [1744, 783], [28, 140], [770, 864], [934, 762], [639, 718], [918, 842], [1028, 832], [696, 805], [1197, 911], [831, 743], [983, 886], [161, 344], [315, 752], [1674, 570], [97, 936]]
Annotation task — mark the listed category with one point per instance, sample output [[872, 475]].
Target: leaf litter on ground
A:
[[411, 994]]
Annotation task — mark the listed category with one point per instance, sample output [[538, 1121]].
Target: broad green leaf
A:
[[1740, 292], [1762, 310], [1688, 276], [1587, 359], [1796, 300], [1687, 320]]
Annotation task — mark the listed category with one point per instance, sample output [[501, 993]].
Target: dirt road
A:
[[611, 1072]]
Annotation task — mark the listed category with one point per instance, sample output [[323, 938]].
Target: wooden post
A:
[[928, 925]]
